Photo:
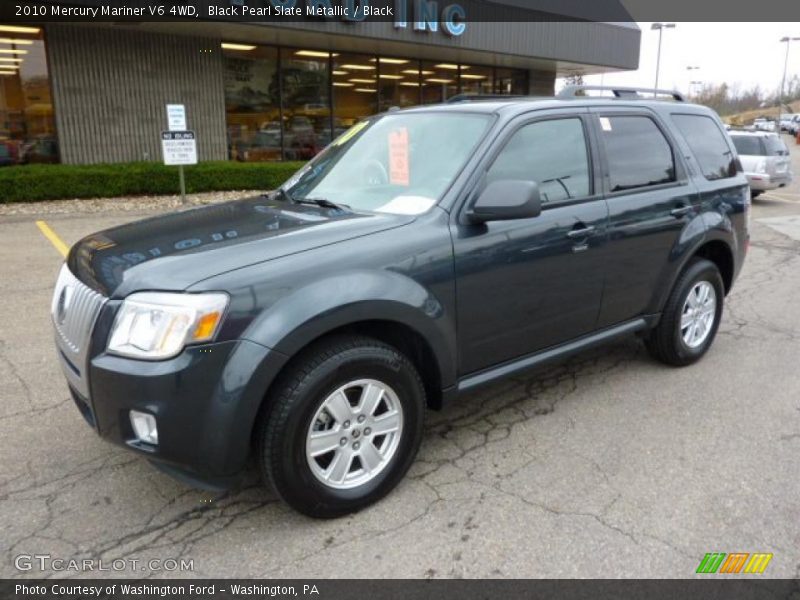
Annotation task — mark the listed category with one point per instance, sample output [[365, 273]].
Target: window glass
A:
[[511, 81], [748, 145], [775, 146], [398, 83], [708, 145], [476, 80], [398, 163], [27, 124], [252, 104], [638, 153], [551, 153], [306, 103], [439, 81], [355, 90]]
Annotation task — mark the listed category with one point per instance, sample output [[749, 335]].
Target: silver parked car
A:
[[764, 158]]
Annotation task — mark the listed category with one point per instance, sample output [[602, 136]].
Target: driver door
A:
[[526, 284]]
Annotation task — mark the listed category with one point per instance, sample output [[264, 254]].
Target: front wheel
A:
[[691, 316], [344, 427]]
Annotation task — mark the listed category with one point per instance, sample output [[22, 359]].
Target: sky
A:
[[743, 53]]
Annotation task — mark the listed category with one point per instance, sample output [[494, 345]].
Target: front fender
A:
[[321, 306]]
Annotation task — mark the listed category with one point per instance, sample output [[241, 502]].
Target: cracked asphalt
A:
[[607, 465]]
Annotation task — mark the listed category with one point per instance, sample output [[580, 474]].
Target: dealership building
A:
[[84, 93]]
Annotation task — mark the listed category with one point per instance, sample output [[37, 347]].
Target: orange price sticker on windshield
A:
[[398, 157]]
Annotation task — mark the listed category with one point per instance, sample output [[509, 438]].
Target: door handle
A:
[[580, 233], [681, 211]]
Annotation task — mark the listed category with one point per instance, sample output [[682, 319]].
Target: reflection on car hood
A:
[[174, 251]]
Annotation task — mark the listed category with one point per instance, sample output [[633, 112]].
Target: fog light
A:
[[144, 426]]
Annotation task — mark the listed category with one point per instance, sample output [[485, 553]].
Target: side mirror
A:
[[505, 200]]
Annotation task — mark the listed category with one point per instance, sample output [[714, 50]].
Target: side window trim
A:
[[681, 171]]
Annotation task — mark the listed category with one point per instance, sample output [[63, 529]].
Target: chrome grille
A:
[[74, 311]]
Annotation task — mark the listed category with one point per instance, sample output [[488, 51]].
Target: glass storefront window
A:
[[399, 82], [290, 103], [355, 90], [27, 123], [305, 82], [476, 80], [511, 81], [252, 104], [439, 81]]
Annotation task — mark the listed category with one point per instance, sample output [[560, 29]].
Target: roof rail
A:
[[572, 91], [481, 98]]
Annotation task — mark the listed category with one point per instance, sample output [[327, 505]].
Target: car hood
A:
[[172, 252]]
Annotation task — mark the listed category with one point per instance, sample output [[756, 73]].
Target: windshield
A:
[[397, 163]]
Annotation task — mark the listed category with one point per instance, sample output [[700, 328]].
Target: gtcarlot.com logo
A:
[[47, 562], [738, 562]]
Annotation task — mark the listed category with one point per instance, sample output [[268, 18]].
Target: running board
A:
[[550, 354]]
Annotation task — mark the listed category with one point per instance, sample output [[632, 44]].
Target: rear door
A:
[[650, 200]]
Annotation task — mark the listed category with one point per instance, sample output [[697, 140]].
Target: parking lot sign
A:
[[179, 147], [176, 117]]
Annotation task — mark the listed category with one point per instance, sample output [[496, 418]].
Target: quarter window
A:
[[638, 153], [708, 145], [551, 153]]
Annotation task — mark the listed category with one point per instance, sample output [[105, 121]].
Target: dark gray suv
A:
[[422, 254]]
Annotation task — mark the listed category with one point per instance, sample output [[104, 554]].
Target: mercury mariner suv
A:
[[424, 253]]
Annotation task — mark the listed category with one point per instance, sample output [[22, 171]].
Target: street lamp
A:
[[784, 40], [660, 27]]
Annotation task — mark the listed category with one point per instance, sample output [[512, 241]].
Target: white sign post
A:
[[178, 144], [179, 148]]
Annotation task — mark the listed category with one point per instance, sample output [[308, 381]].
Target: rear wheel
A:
[[755, 193], [691, 316], [344, 427]]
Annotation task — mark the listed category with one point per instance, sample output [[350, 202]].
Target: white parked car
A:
[[762, 124], [786, 121], [765, 160]]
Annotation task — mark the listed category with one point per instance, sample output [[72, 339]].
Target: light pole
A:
[[660, 27], [699, 85], [784, 40], [689, 69]]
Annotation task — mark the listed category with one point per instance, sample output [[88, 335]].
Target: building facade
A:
[[81, 94]]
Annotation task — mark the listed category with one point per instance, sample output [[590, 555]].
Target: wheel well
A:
[[719, 253]]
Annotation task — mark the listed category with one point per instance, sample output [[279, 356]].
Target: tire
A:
[[667, 341], [307, 397], [755, 194]]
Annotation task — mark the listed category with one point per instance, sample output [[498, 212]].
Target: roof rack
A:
[[572, 91]]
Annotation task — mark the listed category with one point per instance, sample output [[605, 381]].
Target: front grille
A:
[[74, 310]]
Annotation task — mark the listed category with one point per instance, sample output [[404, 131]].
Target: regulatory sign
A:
[[179, 147], [176, 117]]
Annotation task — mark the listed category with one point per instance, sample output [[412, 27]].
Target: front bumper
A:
[[762, 182], [205, 402]]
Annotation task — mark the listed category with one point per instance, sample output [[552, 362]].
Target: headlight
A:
[[158, 325]]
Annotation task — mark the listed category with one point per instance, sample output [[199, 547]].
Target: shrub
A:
[[55, 182]]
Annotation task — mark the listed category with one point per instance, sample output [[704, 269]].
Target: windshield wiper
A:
[[280, 193], [323, 202]]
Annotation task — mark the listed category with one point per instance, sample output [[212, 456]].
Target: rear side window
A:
[[551, 153], [638, 153], [708, 145], [748, 145], [775, 146]]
